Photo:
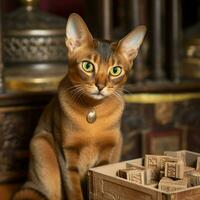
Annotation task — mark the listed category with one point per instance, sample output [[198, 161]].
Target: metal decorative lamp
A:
[[34, 50]]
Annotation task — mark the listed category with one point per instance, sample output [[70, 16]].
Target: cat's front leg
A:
[[116, 151], [72, 179], [111, 154]]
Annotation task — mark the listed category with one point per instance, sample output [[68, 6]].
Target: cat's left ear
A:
[[77, 33], [130, 44]]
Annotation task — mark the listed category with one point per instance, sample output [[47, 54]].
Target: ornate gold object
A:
[[35, 80], [34, 51]]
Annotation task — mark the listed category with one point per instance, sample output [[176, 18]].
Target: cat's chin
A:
[[97, 96]]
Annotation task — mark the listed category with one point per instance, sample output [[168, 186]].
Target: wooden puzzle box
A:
[[105, 183]]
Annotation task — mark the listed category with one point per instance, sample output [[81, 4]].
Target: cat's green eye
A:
[[115, 71], [87, 66]]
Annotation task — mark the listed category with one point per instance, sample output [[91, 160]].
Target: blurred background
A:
[[162, 94]]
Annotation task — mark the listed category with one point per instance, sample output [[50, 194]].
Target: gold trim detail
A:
[[33, 84], [147, 98], [36, 32]]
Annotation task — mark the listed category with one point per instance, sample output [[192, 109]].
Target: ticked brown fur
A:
[[65, 145]]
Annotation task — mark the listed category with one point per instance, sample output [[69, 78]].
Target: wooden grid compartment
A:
[[104, 184]]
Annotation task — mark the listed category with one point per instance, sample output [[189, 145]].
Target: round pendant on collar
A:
[[91, 117]]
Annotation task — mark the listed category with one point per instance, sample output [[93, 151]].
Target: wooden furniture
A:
[[19, 114], [105, 184]]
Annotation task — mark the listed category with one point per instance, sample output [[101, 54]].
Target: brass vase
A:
[[34, 50]]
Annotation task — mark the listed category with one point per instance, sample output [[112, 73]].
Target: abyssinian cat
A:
[[80, 128]]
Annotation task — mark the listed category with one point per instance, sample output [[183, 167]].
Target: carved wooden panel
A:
[[17, 125], [189, 195], [108, 190]]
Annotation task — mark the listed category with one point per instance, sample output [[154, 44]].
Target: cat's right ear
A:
[[77, 33], [130, 44]]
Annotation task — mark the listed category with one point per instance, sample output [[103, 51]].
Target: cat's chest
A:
[[98, 138], [103, 132]]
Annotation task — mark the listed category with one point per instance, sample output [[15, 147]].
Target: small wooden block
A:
[[133, 175], [170, 185], [194, 178], [151, 174], [188, 170], [153, 184], [180, 155], [155, 161], [151, 161], [137, 176], [188, 178], [174, 169], [198, 164], [123, 173], [162, 174]]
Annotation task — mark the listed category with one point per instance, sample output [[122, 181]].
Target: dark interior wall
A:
[[190, 12], [190, 9], [61, 7]]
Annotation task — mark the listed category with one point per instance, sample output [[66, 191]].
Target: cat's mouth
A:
[[97, 95]]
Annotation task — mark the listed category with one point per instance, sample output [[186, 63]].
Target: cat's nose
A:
[[100, 86]]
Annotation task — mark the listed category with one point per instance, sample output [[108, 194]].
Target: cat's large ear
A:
[[130, 44], [77, 33]]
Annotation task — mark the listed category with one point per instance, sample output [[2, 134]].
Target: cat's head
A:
[[99, 68]]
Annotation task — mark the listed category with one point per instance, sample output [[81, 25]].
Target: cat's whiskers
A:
[[76, 91], [125, 90], [70, 89], [118, 96], [79, 95], [120, 92], [74, 87]]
